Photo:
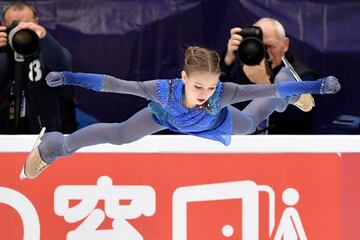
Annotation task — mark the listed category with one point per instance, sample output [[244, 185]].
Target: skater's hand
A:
[[329, 85], [55, 79]]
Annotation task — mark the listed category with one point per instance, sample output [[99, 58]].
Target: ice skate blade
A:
[[22, 175]]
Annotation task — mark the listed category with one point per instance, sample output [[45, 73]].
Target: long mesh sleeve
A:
[[234, 93], [104, 83], [146, 89]]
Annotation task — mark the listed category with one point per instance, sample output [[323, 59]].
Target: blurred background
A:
[[146, 39]]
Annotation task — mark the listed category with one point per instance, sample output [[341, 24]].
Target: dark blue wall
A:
[[145, 39]]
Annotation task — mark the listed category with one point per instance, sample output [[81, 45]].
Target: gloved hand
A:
[[89, 81], [329, 85], [55, 79]]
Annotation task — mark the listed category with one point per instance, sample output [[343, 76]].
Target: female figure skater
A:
[[198, 104]]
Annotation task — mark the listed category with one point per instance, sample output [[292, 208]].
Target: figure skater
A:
[[198, 104]]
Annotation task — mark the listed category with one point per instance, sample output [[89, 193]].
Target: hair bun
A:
[[201, 59]]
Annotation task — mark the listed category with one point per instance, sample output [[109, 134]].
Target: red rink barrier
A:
[[180, 196]]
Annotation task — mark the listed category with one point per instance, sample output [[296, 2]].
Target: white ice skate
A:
[[34, 165], [306, 101]]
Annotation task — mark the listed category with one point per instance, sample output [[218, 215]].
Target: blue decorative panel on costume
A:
[[206, 120]]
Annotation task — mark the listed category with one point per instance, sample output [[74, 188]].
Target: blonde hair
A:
[[199, 59]]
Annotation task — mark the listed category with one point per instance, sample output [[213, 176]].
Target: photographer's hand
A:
[[3, 36], [257, 74], [233, 45], [39, 30]]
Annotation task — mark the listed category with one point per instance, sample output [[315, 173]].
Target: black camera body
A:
[[25, 42], [251, 50]]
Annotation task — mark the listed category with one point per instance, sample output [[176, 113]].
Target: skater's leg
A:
[[55, 144], [246, 121]]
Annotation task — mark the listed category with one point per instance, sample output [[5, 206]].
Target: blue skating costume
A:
[[207, 120]]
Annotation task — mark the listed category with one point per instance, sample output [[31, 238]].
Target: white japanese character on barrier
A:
[[248, 192], [25, 209], [142, 201]]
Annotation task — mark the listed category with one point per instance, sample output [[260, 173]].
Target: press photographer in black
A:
[[27, 54], [243, 65]]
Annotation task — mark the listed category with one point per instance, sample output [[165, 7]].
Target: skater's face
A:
[[199, 87]]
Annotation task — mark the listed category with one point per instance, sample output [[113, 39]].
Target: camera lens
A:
[[24, 41], [251, 51]]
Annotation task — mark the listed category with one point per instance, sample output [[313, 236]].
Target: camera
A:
[[24, 41], [251, 50]]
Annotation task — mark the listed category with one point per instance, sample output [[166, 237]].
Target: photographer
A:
[[26, 102], [293, 120]]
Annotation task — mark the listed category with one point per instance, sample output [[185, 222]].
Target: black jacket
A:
[[52, 108]]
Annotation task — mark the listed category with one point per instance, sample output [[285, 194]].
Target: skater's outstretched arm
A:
[[234, 93], [103, 83]]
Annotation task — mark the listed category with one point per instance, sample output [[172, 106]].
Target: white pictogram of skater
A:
[[290, 225]]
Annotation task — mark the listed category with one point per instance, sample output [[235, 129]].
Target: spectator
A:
[[41, 106], [293, 120]]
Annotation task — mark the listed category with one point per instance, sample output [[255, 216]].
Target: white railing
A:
[[191, 144]]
